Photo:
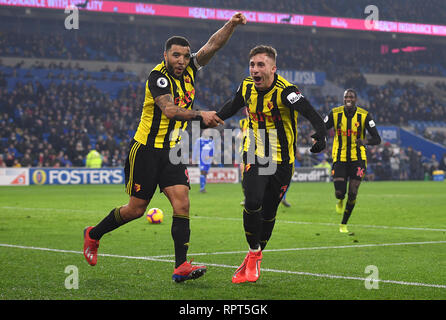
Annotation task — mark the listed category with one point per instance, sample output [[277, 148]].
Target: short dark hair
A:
[[181, 41], [351, 90], [268, 50]]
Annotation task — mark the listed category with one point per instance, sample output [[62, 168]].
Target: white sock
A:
[[255, 250]]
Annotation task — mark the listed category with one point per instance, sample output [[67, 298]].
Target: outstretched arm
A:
[[172, 111], [231, 106], [219, 39], [294, 99]]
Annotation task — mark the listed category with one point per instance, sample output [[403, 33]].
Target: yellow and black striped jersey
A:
[[348, 128], [272, 118], [272, 124], [243, 123], [155, 129]]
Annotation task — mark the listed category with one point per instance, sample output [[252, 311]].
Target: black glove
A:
[[320, 144]]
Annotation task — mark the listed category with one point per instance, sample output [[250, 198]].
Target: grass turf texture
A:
[[406, 220]]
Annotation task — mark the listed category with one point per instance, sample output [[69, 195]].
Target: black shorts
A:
[[354, 170], [266, 189], [147, 167]]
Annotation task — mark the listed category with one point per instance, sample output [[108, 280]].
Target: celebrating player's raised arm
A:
[[219, 39]]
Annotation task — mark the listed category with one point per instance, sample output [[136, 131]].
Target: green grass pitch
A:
[[398, 228]]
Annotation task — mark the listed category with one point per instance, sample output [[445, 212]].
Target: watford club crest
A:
[[137, 187]]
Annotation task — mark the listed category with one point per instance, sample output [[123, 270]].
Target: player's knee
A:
[[253, 205], [129, 212], [340, 189], [181, 206], [352, 196], [339, 194]]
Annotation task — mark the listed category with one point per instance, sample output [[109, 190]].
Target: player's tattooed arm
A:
[[172, 111], [219, 39]]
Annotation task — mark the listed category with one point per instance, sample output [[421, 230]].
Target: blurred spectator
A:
[[395, 166], [2, 163], [433, 165], [415, 165], [94, 159], [324, 164], [442, 165], [386, 156], [404, 165]]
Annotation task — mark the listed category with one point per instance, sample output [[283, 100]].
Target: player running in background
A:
[[283, 201], [203, 153], [349, 152], [169, 97], [273, 106]]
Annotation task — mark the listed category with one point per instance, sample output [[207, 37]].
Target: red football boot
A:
[[90, 247], [253, 266], [240, 274], [186, 271]]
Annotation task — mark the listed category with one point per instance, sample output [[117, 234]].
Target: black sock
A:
[[252, 223], [267, 230], [109, 223], [348, 210], [180, 234], [345, 217]]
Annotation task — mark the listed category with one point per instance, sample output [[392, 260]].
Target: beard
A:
[[171, 71]]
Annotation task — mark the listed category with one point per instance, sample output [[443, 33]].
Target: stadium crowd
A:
[[123, 43]]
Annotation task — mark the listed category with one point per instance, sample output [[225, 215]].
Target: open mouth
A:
[[257, 79]]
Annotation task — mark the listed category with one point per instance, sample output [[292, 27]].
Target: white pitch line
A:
[[320, 275], [237, 219], [312, 248], [329, 224], [80, 252]]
